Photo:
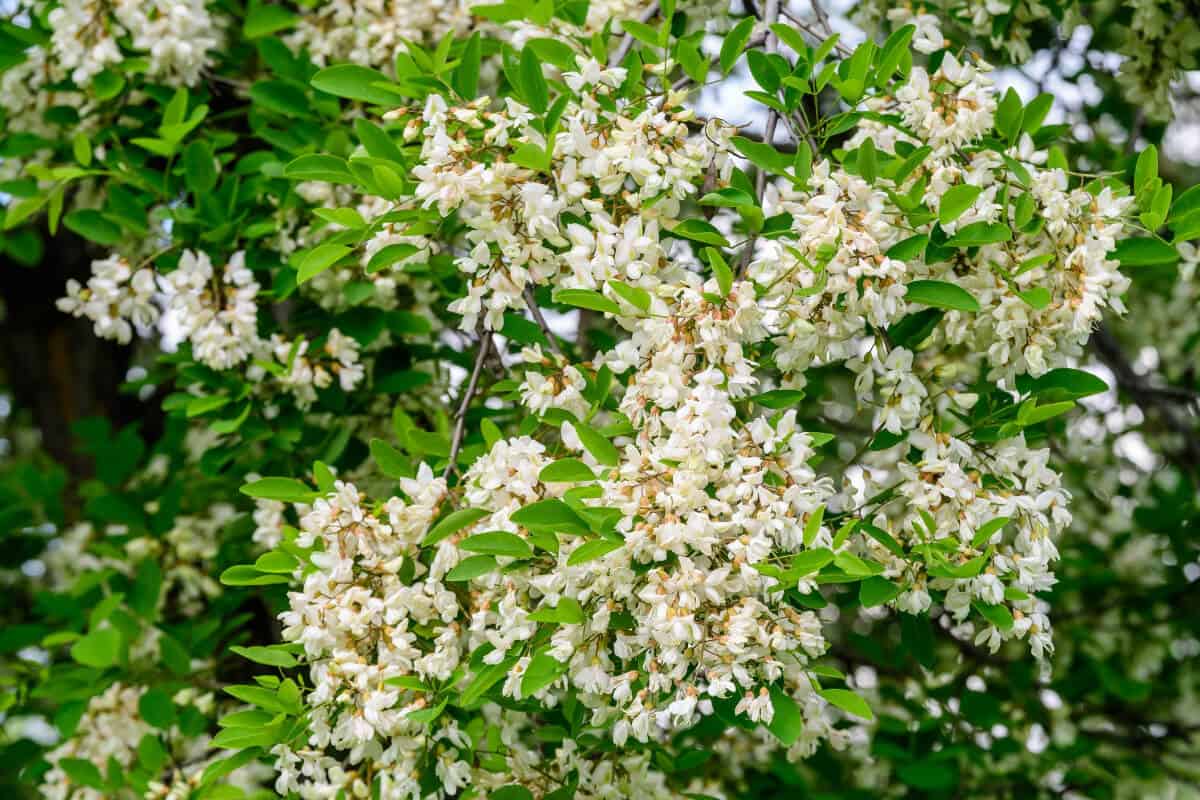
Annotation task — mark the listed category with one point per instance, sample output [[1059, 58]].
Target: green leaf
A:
[[892, 53], [157, 709], [911, 248], [998, 615], [813, 525], [94, 226], [543, 670], [1035, 113], [1038, 297], [735, 43], [1075, 383], [147, 584], [81, 148], [17, 212], [485, 679], [199, 166], [987, 530], [377, 141], [531, 156], [875, 591], [551, 514], [854, 566], [636, 296], [555, 52], [281, 97], [320, 258], [100, 648], [1187, 203], [787, 723], [591, 550], [957, 200], [389, 254], [107, 84], [288, 490], [1144, 253], [1146, 168], [533, 83], [513, 791], [82, 772], [699, 231], [239, 738], [247, 575], [941, 295], [151, 753], [1032, 415], [566, 470], [980, 233], [779, 398], [762, 155], [809, 561], [848, 701], [277, 561], [497, 543], [1008, 115], [642, 32], [466, 75], [471, 567], [263, 20], [355, 82], [587, 298], [260, 696], [317, 167], [721, 270], [249, 718], [271, 656], [391, 462], [867, 162], [428, 715], [567, 612], [452, 523], [604, 451]]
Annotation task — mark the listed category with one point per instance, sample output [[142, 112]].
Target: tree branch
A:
[[460, 416], [1148, 398], [541, 321]]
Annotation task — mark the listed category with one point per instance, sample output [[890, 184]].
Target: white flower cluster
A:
[[185, 554], [117, 299], [111, 729], [658, 595], [338, 288], [177, 37], [370, 32], [175, 40], [217, 314], [608, 187], [1155, 38], [1040, 286]]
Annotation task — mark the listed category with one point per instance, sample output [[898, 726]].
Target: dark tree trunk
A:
[[55, 366]]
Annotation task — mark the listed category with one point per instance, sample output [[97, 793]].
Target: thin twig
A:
[[541, 321], [822, 17], [460, 416]]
